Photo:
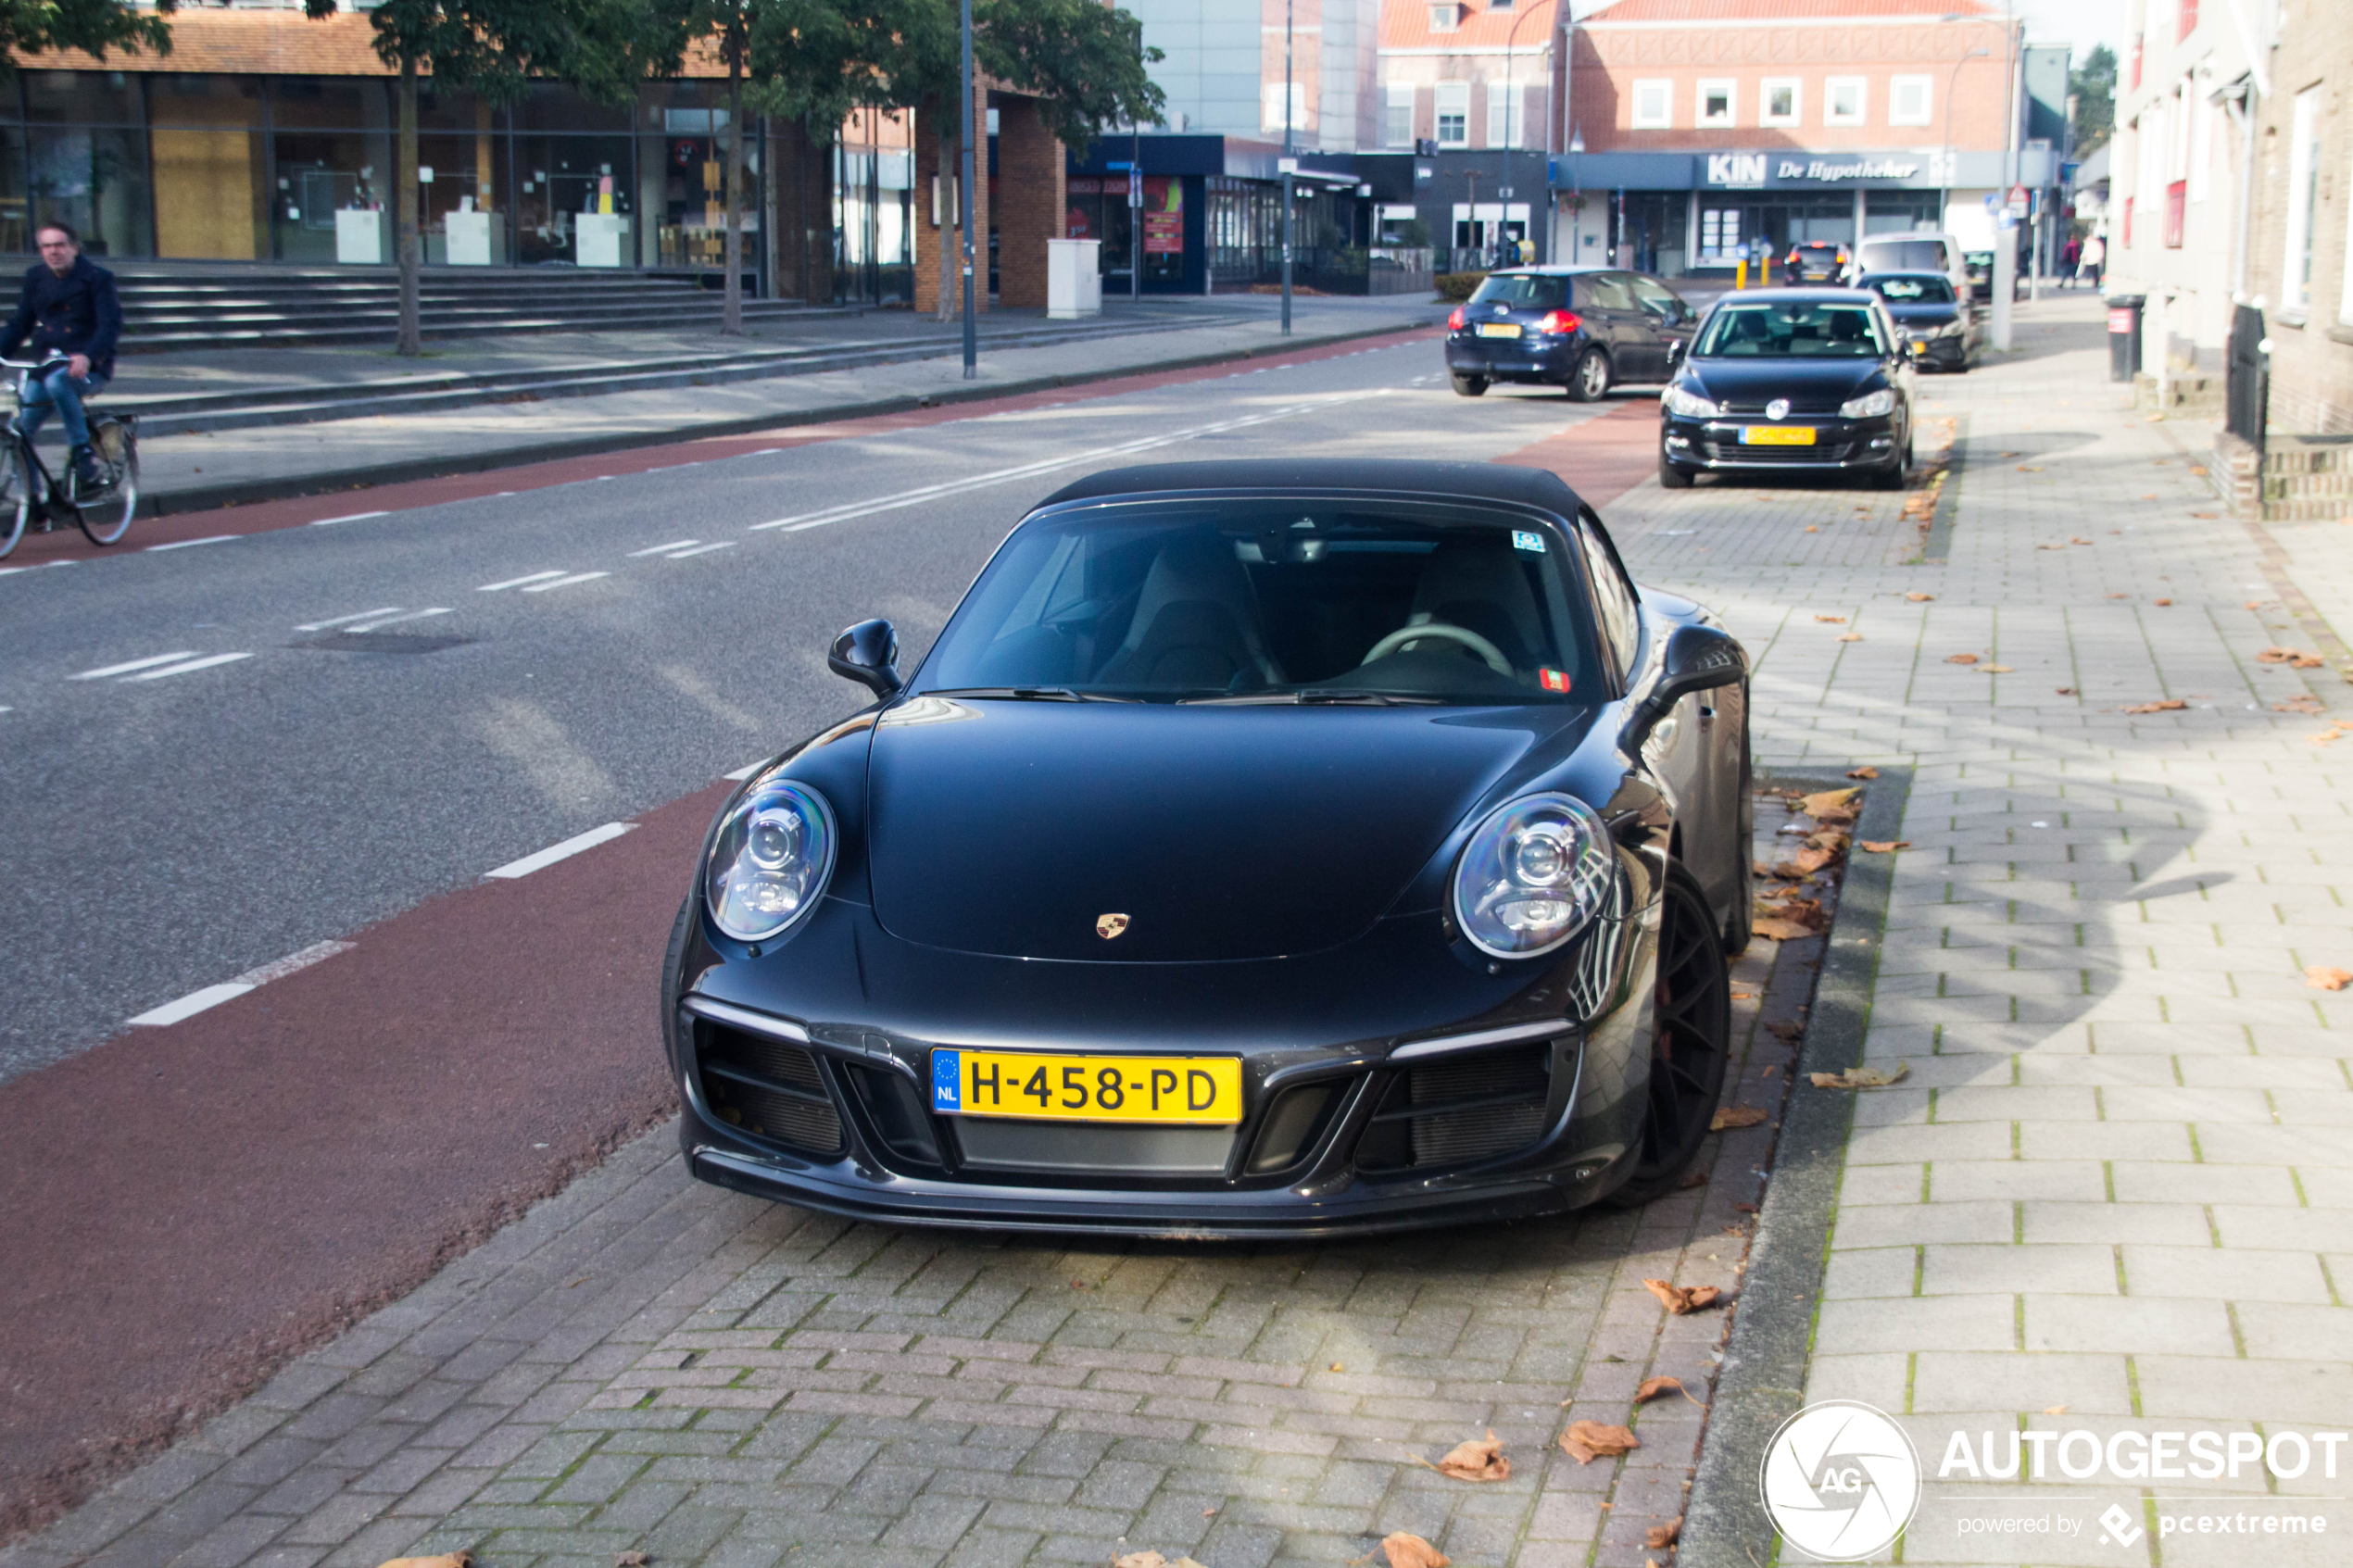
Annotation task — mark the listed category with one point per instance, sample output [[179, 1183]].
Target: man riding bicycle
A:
[[68, 307]]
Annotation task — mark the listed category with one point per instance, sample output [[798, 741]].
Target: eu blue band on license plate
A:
[[947, 1079]]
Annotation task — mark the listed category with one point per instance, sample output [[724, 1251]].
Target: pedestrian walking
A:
[[2072, 255], [2094, 255], [68, 307]]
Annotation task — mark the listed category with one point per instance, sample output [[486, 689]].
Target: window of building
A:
[[1778, 102], [2303, 189], [1275, 95], [2201, 145], [1908, 100], [1398, 130], [1843, 100], [1716, 102], [1654, 104], [1504, 106], [1454, 114], [1445, 18], [2345, 293], [2185, 20]]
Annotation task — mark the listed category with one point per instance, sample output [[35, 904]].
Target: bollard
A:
[[1740, 274]]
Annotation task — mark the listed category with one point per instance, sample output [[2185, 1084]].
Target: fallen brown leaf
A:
[[1682, 1299], [1745, 1208], [1812, 528], [1865, 772], [1998, 670], [1826, 802], [1735, 1116], [2054, 1409], [1850, 636], [1775, 929], [1887, 845], [1832, 839], [2170, 705], [1860, 1078], [2297, 656], [1694, 1179], [1586, 1441], [1787, 1032], [1335, 1366], [2074, 541], [1833, 619], [2050, 546], [2302, 702], [1662, 1535], [2064, 691], [1919, 598], [1805, 912], [1654, 1387], [1806, 862], [1411, 1551], [1476, 1459], [1139, 1560], [2197, 469], [629, 1560], [1960, 659], [2321, 978], [2160, 603]]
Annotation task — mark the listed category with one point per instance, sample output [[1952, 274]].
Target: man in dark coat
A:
[[68, 306]]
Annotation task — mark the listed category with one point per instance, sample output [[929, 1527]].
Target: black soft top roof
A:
[[1470, 482]]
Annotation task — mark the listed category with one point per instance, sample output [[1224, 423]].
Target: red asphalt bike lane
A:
[[329, 506], [186, 1208]]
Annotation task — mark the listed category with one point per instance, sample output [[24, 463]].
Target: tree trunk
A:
[[819, 207], [950, 163], [731, 309], [408, 245]]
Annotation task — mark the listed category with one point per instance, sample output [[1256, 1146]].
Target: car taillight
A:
[[1561, 322], [1455, 321]]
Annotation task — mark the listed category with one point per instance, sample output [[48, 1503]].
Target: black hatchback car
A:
[[1790, 379], [1817, 261], [1582, 327], [1940, 328]]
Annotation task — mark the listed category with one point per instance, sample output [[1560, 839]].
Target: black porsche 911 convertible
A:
[[1263, 849]]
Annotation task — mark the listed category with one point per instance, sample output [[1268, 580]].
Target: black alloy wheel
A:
[[1591, 379], [1469, 386], [15, 497], [1692, 1045]]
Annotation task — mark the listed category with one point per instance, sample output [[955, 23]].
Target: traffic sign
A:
[[2017, 201]]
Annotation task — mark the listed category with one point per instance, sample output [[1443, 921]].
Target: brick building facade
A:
[[2301, 247]]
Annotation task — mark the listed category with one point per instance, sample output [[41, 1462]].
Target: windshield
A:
[[1804, 329], [1928, 289], [1905, 256], [1273, 600], [1524, 291]]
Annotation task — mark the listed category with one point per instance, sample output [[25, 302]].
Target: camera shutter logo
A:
[[1841, 1480]]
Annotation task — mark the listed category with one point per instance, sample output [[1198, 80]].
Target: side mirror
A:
[[868, 654], [1674, 351], [1698, 659]]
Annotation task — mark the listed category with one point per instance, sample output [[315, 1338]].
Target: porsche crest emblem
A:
[[1108, 926]]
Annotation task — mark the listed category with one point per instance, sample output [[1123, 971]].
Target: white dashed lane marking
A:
[[193, 665], [664, 549], [195, 1002], [563, 851], [517, 582], [192, 544], [701, 550], [397, 620], [563, 582], [104, 671], [349, 517], [341, 620]]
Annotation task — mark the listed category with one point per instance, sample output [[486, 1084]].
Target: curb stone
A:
[[239, 493], [1763, 1380]]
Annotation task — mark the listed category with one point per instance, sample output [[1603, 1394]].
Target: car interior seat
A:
[[1196, 623]]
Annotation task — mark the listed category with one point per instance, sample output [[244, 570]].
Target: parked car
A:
[[1815, 262], [1916, 250], [1939, 327], [1582, 327], [1783, 379], [1263, 849]]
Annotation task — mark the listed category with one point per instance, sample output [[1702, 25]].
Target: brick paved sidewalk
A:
[[2113, 1191]]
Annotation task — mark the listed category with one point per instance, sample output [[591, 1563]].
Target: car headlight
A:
[[1870, 405], [771, 860], [1533, 875], [1690, 404]]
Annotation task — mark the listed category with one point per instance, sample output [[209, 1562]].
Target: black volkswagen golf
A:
[[1582, 327], [1938, 326], [1262, 850], [1790, 379]]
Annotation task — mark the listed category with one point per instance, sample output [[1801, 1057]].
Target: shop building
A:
[[1688, 128], [1467, 86]]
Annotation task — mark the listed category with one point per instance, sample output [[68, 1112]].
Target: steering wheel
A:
[[1404, 636]]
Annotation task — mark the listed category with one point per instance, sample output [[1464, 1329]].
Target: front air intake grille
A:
[[1461, 1110], [770, 1088]]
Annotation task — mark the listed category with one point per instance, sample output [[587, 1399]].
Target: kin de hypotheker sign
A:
[[1755, 170]]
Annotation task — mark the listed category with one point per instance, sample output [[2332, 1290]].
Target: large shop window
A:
[[84, 159]]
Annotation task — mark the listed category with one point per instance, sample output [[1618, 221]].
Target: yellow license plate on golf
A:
[[1498, 329], [1198, 1090], [1919, 347], [1776, 435]]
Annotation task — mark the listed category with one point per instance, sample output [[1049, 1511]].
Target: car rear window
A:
[[1923, 288], [1804, 328], [1266, 599], [1905, 256], [1524, 291]]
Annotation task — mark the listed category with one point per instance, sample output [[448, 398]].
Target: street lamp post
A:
[[972, 331], [1510, 118]]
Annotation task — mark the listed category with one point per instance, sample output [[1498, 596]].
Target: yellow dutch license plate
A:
[[1776, 435], [1202, 1091], [1918, 346], [1498, 329]]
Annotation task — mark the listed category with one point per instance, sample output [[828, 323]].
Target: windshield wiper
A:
[[1030, 694], [1321, 697]]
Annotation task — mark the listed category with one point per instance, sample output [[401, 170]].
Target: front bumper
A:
[[1508, 1111], [1839, 445], [1944, 351], [1548, 360]]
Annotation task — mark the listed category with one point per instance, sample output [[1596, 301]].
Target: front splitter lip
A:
[[1168, 1216]]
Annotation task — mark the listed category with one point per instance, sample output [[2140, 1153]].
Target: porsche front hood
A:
[[1014, 828]]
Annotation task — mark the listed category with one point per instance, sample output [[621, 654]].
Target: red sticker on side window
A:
[[1554, 680]]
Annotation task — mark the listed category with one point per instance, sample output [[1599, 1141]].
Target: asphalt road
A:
[[178, 827]]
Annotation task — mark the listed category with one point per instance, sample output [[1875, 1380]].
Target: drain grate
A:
[[380, 642]]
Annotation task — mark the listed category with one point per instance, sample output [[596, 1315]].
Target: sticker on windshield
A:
[[1523, 540], [1553, 679]]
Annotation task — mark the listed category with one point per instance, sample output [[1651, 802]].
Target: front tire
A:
[[107, 516], [1469, 386], [1690, 1046], [1590, 381], [16, 498], [1673, 476]]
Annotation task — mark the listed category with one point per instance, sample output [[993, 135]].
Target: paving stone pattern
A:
[[2117, 1186]]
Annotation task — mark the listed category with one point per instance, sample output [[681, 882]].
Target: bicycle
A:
[[28, 489]]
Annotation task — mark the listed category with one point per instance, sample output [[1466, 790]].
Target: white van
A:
[[1919, 251]]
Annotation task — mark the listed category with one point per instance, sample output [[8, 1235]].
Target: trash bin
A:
[[2124, 336]]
